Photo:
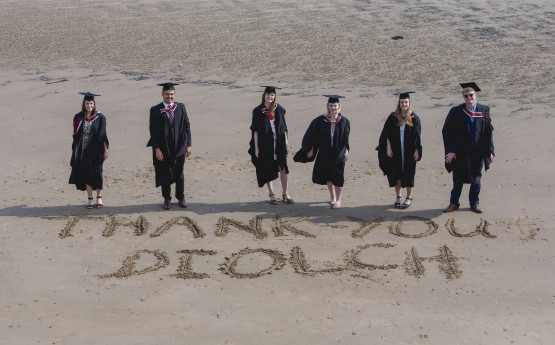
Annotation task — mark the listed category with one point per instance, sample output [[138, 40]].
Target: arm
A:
[[255, 138]]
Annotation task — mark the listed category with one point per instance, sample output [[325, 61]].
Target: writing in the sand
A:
[[413, 263]]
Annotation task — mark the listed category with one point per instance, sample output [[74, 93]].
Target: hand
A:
[[256, 153], [346, 157], [310, 153], [159, 155], [106, 154], [416, 155], [389, 152], [188, 151], [286, 151], [491, 158], [449, 157]]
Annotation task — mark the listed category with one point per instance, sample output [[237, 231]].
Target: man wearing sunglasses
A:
[[468, 143]]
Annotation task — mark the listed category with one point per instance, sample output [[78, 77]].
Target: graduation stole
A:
[[267, 111], [77, 123], [473, 114], [169, 112], [328, 119]]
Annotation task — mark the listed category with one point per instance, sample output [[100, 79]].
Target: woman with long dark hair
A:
[[89, 150], [400, 148], [268, 145]]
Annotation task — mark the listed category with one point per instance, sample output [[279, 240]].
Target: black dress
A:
[[267, 165], [329, 154], [87, 151], [172, 139], [472, 152], [402, 165]]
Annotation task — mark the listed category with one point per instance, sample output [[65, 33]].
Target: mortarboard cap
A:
[[270, 89], [472, 85], [333, 98], [404, 95], [89, 96], [167, 86]]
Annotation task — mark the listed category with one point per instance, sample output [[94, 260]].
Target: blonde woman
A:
[[400, 148]]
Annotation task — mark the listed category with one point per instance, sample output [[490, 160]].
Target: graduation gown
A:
[[393, 167], [172, 140], [87, 151], [329, 157], [267, 167], [472, 151]]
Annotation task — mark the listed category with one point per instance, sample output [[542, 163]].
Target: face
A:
[[168, 96], [269, 97], [333, 108], [470, 98], [89, 105], [404, 104]]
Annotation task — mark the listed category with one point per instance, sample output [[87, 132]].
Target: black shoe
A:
[[167, 204], [405, 205], [182, 203]]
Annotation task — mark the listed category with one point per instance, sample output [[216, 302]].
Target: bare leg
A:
[[99, 203], [408, 199], [285, 197], [273, 200], [283, 177], [338, 191], [332, 193], [398, 194], [89, 195]]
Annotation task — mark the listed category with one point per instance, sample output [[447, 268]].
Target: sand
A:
[[232, 269]]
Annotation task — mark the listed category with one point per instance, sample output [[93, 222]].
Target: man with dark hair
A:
[[170, 139], [468, 143]]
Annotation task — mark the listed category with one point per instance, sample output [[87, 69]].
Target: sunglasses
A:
[[470, 95]]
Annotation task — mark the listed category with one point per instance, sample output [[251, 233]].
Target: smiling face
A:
[[333, 108], [269, 98], [404, 104], [470, 97], [89, 106], [168, 96]]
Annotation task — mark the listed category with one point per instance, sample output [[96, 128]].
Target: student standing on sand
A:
[[89, 150], [400, 148], [468, 142], [327, 141], [268, 145], [170, 139]]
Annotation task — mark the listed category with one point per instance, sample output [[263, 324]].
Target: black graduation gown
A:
[[467, 167], [393, 167], [266, 167], [329, 159], [86, 166], [172, 140]]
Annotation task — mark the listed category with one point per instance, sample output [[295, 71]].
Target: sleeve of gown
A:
[[383, 160], [153, 128], [284, 122], [347, 131], [447, 132], [418, 133], [488, 139], [187, 125], [310, 140], [103, 136], [490, 131]]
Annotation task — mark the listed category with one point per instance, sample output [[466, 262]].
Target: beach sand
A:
[[232, 269]]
